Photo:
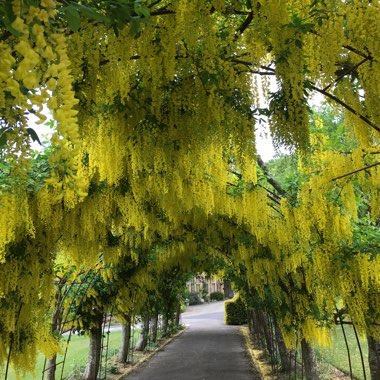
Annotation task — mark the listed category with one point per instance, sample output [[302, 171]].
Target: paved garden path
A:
[[207, 350]]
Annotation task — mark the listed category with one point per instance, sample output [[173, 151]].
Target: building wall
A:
[[195, 285]]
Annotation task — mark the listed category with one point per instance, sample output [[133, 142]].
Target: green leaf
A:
[[298, 43], [141, 9], [135, 26], [307, 27], [72, 17], [8, 18], [50, 124], [3, 140], [33, 135], [92, 14]]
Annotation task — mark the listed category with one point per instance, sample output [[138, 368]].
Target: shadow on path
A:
[[207, 350]]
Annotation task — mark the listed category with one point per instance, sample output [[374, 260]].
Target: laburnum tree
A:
[[154, 105], [327, 285]]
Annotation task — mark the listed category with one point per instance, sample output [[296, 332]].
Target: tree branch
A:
[[270, 192], [270, 179], [356, 171], [249, 65], [162, 11], [275, 209], [324, 92], [284, 287], [245, 24], [358, 52], [273, 199], [260, 72], [236, 173], [346, 106], [347, 72]]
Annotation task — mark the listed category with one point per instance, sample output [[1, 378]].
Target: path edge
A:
[[140, 362], [262, 368]]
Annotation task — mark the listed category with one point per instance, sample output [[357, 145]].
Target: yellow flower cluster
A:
[[155, 138], [38, 76]]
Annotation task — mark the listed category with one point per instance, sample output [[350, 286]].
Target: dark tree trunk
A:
[[143, 340], [125, 341], [263, 320], [285, 354], [155, 328], [178, 313], [94, 352], [165, 324], [256, 331], [309, 361], [374, 357], [261, 330], [250, 320], [253, 324]]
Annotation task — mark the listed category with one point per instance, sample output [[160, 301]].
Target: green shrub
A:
[[194, 299], [216, 296], [235, 312], [184, 306]]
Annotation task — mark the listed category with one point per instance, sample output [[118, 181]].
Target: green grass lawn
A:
[[76, 356], [337, 355]]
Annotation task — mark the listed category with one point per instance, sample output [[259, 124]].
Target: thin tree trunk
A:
[[250, 320], [125, 341], [309, 361], [50, 368], [256, 331], [254, 325], [266, 330], [178, 313], [93, 360], [56, 321], [285, 354], [143, 340], [155, 328], [374, 357], [165, 324]]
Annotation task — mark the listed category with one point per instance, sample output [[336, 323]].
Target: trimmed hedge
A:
[[235, 311], [216, 296]]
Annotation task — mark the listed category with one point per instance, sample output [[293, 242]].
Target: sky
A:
[[264, 145]]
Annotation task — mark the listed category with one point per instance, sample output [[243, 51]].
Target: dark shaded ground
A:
[[208, 350]]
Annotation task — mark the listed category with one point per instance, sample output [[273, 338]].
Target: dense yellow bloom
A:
[[154, 132]]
